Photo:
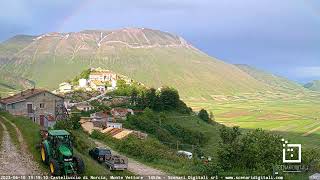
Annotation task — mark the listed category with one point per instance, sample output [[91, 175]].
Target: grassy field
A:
[[297, 119]]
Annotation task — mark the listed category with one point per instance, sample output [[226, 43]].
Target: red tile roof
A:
[[23, 95]]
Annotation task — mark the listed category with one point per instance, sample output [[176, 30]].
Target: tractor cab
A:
[[57, 151], [59, 138]]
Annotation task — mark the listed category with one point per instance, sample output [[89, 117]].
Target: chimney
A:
[[32, 90]]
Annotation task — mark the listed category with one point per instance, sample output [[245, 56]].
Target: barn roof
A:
[[23, 95]]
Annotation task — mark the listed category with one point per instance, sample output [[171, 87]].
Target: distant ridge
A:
[[153, 57], [314, 85], [274, 81]]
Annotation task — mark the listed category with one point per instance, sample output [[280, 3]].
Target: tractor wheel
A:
[[79, 164], [44, 154], [54, 168]]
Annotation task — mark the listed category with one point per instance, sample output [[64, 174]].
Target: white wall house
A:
[[65, 87], [114, 125], [83, 83]]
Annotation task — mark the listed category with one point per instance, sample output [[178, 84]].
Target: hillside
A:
[[273, 81], [152, 57], [314, 85], [10, 83]]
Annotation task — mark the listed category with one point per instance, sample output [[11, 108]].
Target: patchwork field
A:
[[295, 117]]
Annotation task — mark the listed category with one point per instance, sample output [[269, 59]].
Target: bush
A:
[[69, 124], [254, 151], [203, 114]]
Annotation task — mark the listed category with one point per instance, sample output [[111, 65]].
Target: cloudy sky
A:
[[279, 36]]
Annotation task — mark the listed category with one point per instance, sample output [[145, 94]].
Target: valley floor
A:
[[295, 118]]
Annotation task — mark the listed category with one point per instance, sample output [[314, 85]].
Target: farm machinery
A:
[[57, 152]]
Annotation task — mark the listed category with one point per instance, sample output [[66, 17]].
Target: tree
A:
[[85, 74], [229, 135], [134, 96], [169, 98], [255, 151], [151, 98], [203, 114]]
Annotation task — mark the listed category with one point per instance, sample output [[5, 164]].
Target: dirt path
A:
[[134, 166], [311, 131], [12, 160]]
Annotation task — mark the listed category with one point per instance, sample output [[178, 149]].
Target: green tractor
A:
[[56, 150]]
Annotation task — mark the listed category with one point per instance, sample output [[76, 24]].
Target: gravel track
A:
[[15, 161]]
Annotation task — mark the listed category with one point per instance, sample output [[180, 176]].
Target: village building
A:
[[121, 113], [84, 106], [101, 116], [41, 106], [83, 83], [114, 125], [98, 85], [113, 85], [103, 75], [65, 87]]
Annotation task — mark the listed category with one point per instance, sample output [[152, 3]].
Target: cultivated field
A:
[[296, 117]]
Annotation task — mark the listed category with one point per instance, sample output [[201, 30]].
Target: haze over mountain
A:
[[314, 85], [274, 81], [153, 57]]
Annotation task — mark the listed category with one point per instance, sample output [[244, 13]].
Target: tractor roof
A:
[[58, 133]]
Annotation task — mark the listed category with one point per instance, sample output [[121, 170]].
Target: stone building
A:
[[41, 106]]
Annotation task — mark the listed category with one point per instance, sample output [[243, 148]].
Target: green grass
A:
[[169, 163], [12, 132], [1, 136], [92, 166], [31, 134], [292, 117]]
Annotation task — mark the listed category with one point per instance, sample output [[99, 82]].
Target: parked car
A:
[[100, 153], [113, 162], [116, 162], [185, 154]]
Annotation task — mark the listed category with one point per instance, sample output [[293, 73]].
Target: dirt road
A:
[[12, 160], [134, 166]]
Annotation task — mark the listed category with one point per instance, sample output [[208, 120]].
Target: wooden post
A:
[[177, 145]]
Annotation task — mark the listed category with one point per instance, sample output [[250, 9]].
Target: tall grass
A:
[[12, 132]]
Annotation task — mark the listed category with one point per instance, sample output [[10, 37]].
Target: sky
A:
[[282, 37]]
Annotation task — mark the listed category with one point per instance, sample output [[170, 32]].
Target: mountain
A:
[[273, 81], [152, 57], [314, 85]]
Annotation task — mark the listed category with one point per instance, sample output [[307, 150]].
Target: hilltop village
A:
[[102, 104], [93, 79]]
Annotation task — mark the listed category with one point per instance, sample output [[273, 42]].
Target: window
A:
[[41, 105], [13, 106], [29, 108]]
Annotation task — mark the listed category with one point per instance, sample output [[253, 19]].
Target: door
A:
[[42, 120], [29, 108]]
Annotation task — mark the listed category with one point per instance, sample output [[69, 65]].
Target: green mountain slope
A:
[[273, 81], [153, 57], [314, 85]]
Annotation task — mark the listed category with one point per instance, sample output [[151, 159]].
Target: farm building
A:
[[41, 106]]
